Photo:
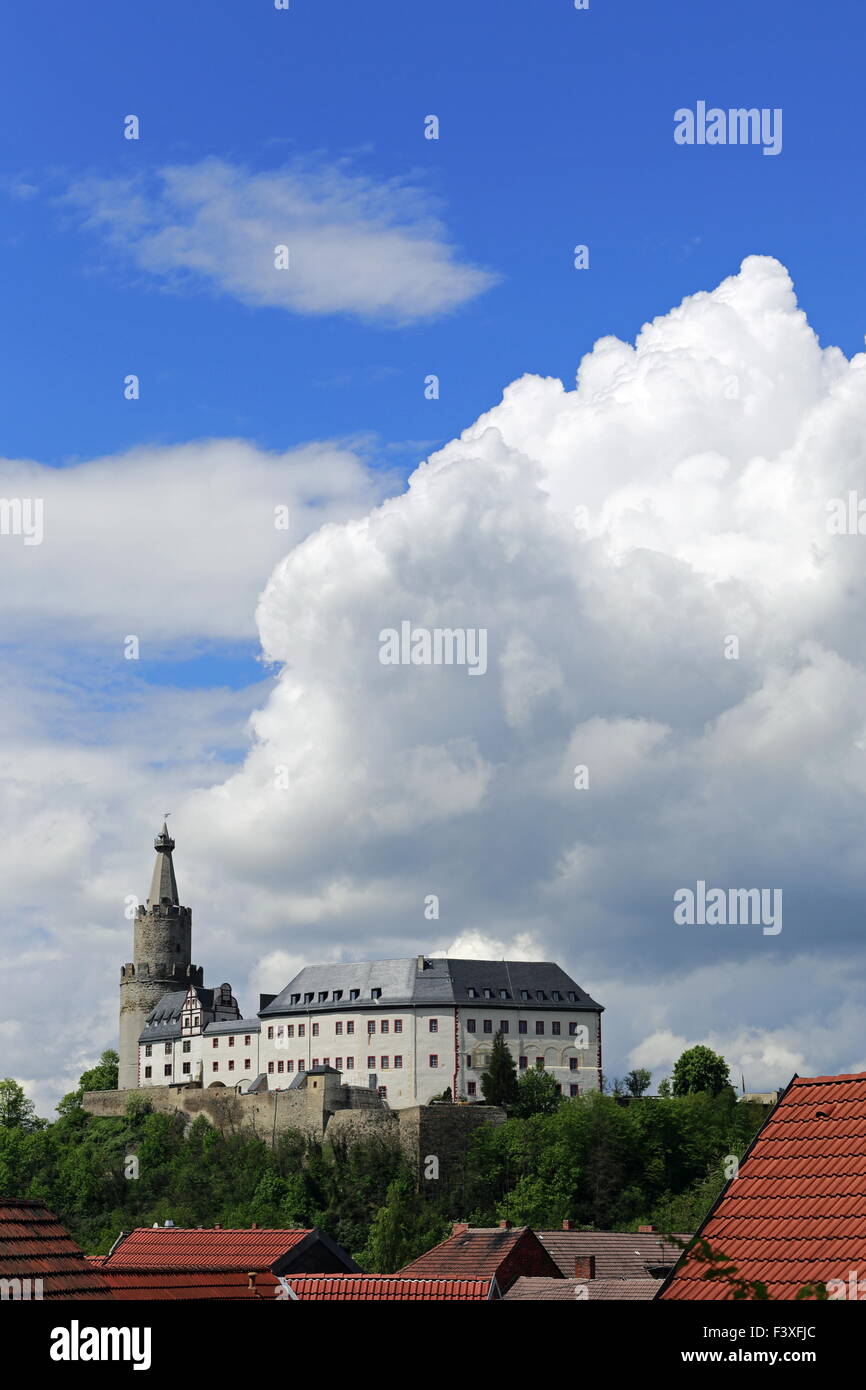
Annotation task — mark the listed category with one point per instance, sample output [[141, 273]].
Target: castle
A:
[[397, 1033]]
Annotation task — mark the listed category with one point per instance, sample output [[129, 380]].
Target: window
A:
[[371, 1025], [290, 1066], [384, 1026], [168, 1047], [315, 1063], [488, 994], [471, 1025], [302, 1066], [434, 1025], [539, 1026], [468, 1060], [556, 1029], [398, 1025], [488, 1025], [573, 1090], [350, 1026], [540, 995], [270, 1032], [382, 1092], [215, 1042], [354, 993], [270, 1068], [398, 1062], [302, 1029], [168, 1071], [196, 1021], [231, 1040], [572, 996], [375, 994], [290, 1030], [523, 1063], [572, 1062], [555, 994], [539, 1064], [433, 1060], [246, 1064], [323, 995], [524, 994], [338, 1028], [280, 1031], [281, 1066], [473, 993], [148, 1049], [187, 1046], [350, 1064], [522, 1025], [315, 1031], [246, 1040], [147, 1071], [471, 1088], [296, 999], [337, 995], [308, 998], [371, 1064], [572, 1029], [503, 1025], [503, 994], [215, 1066], [338, 1063], [383, 1063], [232, 1064], [326, 1061], [186, 1068]]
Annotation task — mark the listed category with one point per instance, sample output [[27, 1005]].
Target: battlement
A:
[[162, 971]]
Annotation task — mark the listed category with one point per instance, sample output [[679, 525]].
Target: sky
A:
[[431, 414]]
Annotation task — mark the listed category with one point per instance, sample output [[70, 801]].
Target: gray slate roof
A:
[[441, 981]]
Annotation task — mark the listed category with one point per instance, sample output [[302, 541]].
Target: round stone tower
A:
[[162, 945]]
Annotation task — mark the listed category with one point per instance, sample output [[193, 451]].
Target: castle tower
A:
[[162, 945]]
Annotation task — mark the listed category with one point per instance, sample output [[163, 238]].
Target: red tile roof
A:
[[618, 1254], [591, 1290], [178, 1248], [796, 1214], [166, 1284], [482, 1253], [34, 1245], [366, 1288]]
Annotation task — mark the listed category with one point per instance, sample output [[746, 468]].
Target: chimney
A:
[[217, 1228], [254, 1226], [251, 1281], [646, 1230], [422, 963], [458, 1227], [568, 1225], [505, 1225], [584, 1267]]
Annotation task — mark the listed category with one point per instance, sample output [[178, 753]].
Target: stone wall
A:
[[424, 1132]]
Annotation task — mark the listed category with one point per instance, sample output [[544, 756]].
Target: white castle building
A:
[[410, 1029]]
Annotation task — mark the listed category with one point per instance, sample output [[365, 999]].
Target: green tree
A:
[[16, 1111], [102, 1077], [664, 1087], [638, 1081], [700, 1069], [401, 1230], [499, 1084], [536, 1094]]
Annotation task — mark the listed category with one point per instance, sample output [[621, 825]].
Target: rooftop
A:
[[34, 1245]]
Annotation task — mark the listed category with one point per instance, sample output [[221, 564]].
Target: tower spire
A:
[[163, 884]]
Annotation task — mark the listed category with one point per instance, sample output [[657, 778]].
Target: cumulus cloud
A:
[[168, 543], [612, 539], [374, 250]]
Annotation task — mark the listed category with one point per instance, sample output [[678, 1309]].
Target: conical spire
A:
[[163, 885]]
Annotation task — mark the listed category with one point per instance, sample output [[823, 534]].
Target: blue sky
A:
[[706, 456], [556, 129]]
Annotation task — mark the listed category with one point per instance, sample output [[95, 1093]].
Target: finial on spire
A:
[[163, 886]]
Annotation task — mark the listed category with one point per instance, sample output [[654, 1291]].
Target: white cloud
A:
[[372, 250], [704, 455]]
